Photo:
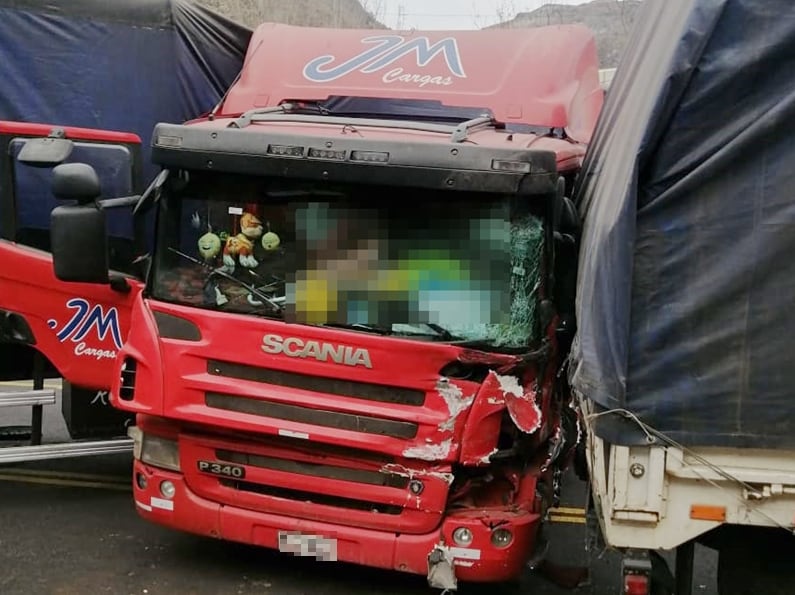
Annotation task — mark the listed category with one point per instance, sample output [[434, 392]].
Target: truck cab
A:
[[51, 328], [349, 342], [78, 97]]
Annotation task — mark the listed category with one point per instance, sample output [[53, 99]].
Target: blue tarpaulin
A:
[[120, 66], [686, 289], [123, 65]]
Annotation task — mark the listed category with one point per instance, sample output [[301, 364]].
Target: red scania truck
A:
[[358, 303]]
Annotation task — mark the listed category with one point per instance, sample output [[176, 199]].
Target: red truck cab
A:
[[348, 344], [40, 311], [49, 327]]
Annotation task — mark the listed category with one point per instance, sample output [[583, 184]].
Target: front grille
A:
[[322, 499], [318, 417], [314, 469], [331, 386]]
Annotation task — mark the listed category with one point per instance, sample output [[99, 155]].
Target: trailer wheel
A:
[[662, 581], [580, 461], [758, 563]]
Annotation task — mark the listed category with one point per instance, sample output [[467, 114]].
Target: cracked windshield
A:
[[362, 257]]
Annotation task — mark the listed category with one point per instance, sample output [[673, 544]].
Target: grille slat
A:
[[319, 417], [314, 469], [319, 384], [310, 497]]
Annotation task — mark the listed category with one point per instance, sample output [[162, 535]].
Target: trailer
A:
[[681, 362]]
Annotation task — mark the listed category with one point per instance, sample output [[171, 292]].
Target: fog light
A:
[[501, 538], [462, 536], [140, 481], [167, 489]]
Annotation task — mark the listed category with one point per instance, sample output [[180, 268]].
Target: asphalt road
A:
[[69, 527]]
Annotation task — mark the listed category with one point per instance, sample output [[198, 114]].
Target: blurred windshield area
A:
[[451, 266]]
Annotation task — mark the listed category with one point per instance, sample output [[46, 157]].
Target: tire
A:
[[580, 462], [662, 581], [759, 563]]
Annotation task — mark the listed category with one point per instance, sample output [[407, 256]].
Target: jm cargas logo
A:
[[85, 320], [386, 50]]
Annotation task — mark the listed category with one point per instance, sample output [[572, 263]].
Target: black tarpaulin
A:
[[123, 65], [686, 290]]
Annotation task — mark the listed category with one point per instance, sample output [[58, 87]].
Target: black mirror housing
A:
[[75, 181], [79, 244], [45, 152]]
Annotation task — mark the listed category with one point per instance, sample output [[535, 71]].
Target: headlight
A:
[[462, 536], [168, 489], [160, 452], [501, 538]]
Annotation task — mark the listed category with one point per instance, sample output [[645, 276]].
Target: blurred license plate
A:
[[314, 546]]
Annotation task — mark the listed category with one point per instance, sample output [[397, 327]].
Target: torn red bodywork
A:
[[521, 403]]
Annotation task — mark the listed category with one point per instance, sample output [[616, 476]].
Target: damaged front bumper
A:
[[495, 547]]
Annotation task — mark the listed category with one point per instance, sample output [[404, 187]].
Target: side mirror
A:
[[75, 181], [45, 152], [79, 244], [78, 234]]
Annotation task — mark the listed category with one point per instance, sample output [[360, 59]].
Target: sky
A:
[[450, 14]]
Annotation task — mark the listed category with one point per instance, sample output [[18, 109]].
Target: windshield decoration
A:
[[370, 259], [384, 56], [400, 266]]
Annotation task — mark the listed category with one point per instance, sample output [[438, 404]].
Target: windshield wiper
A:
[[358, 326], [437, 331], [274, 303]]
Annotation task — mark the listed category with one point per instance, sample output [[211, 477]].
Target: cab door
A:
[[77, 327]]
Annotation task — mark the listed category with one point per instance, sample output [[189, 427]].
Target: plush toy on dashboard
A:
[[270, 241], [239, 247], [209, 247], [242, 244]]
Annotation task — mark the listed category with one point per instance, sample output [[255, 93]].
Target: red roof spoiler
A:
[[546, 76]]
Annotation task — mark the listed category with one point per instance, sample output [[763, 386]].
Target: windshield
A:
[[437, 266]]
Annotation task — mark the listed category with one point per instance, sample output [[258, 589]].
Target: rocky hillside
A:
[[610, 20], [347, 14]]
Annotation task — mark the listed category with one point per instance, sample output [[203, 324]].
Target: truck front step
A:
[[44, 396], [21, 454]]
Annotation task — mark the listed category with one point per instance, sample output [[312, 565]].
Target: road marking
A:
[[570, 511], [577, 520], [74, 483], [565, 514]]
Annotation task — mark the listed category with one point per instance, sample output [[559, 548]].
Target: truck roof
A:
[[546, 76], [568, 155]]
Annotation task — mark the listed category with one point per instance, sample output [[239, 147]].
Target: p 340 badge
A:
[[222, 469]]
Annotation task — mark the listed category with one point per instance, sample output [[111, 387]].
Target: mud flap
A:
[[441, 572]]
